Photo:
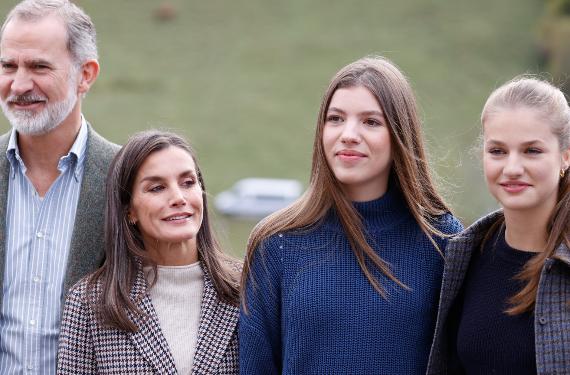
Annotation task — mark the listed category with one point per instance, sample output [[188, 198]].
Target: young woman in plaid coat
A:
[[505, 295], [165, 300]]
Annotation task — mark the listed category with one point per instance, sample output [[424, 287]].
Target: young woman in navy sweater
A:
[[346, 280], [506, 287]]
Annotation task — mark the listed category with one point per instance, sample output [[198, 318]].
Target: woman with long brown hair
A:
[[166, 299], [346, 280], [505, 295]]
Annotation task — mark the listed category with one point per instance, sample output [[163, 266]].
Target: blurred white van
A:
[[258, 197]]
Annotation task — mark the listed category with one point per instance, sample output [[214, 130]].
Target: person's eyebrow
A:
[[153, 178]]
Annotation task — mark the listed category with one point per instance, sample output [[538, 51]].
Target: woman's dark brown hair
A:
[[124, 249], [412, 175]]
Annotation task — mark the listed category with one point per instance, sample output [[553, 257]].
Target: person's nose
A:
[[514, 166], [22, 82], [177, 197], [351, 132]]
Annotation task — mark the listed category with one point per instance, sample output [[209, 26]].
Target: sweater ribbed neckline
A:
[[176, 275], [378, 214]]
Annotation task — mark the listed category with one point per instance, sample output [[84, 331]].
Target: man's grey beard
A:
[[37, 123]]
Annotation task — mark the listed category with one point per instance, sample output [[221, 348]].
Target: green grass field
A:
[[243, 79]]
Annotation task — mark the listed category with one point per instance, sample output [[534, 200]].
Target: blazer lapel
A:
[[4, 173], [86, 251], [562, 253], [458, 255], [218, 322], [149, 340]]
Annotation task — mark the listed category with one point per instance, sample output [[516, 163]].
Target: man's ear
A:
[[89, 71]]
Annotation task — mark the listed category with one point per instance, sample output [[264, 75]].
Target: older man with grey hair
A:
[[52, 176]]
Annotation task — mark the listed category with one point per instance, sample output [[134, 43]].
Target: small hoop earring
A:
[[562, 173]]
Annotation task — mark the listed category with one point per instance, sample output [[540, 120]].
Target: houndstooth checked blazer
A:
[[86, 347], [551, 313]]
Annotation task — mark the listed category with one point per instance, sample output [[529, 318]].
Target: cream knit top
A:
[[177, 298]]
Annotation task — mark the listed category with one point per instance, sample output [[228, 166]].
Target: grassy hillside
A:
[[243, 79]]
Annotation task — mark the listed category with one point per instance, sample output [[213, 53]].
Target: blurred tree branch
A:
[[554, 41]]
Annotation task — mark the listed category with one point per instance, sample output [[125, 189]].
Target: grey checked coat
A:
[[551, 315], [86, 347]]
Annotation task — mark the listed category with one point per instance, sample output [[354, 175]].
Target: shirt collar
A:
[[78, 149], [13, 154], [76, 153]]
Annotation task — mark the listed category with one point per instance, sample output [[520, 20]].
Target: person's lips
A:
[[179, 217], [514, 186], [350, 155], [26, 101]]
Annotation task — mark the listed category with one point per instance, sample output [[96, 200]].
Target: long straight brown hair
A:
[[124, 249], [396, 99], [551, 106]]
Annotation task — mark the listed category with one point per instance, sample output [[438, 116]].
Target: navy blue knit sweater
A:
[[312, 310]]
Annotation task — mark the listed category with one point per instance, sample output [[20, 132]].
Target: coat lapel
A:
[[149, 340], [218, 322], [562, 253], [86, 250], [458, 256], [4, 175]]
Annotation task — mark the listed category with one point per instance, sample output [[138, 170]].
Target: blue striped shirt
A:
[[38, 236]]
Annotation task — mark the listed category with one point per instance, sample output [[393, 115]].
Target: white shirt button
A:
[[39, 234], [32, 322], [36, 279], [30, 367]]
